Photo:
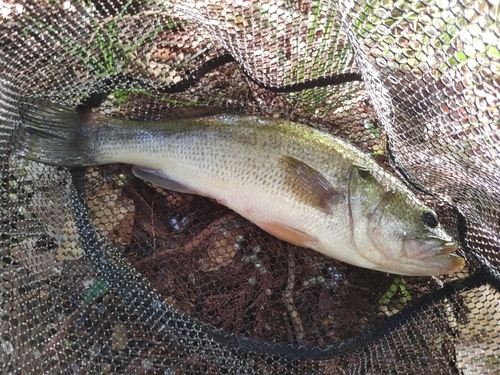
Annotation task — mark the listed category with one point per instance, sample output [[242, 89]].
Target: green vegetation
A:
[[396, 298], [101, 49], [99, 288]]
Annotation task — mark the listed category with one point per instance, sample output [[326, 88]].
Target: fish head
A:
[[396, 232]]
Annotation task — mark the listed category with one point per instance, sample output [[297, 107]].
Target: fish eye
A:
[[363, 173], [429, 218]]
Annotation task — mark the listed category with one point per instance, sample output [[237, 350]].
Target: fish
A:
[[300, 184]]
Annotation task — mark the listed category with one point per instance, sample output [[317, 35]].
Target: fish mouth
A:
[[443, 264], [422, 247], [432, 255]]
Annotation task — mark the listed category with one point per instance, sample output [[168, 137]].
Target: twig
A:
[[288, 297], [51, 347]]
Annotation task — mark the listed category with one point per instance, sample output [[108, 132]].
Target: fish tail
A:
[[56, 134]]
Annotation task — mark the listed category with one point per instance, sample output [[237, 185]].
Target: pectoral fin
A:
[[309, 185], [158, 178], [286, 233]]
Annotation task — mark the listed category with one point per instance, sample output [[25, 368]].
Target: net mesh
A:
[[102, 272]]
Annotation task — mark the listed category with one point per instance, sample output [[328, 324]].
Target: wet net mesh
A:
[[101, 272]]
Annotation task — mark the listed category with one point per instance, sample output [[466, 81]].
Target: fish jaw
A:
[[449, 263], [437, 265], [440, 264], [428, 255], [422, 247], [425, 254]]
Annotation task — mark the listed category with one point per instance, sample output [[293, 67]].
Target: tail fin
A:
[[55, 134]]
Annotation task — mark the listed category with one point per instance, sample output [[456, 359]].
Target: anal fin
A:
[[158, 178]]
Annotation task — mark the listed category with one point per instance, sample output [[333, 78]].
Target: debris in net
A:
[[288, 298], [111, 210]]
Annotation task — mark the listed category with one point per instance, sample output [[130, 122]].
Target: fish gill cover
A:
[[102, 272]]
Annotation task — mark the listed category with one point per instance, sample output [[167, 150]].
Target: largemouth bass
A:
[[301, 185]]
